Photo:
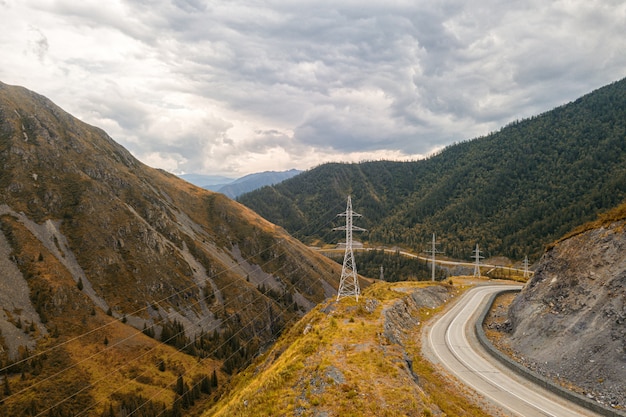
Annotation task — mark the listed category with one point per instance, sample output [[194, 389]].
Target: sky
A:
[[236, 87]]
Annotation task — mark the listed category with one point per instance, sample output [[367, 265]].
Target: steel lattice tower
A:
[[526, 271], [478, 258], [349, 282], [433, 252]]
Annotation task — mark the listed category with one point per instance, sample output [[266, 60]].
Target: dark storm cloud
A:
[[193, 85]]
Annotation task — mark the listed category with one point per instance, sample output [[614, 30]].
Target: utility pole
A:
[[478, 258], [433, 251], [349, 282], [526, 271]]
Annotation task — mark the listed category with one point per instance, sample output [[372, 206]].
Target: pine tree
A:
[[205, 385], [176, 411], [180, 385], [214, 379]]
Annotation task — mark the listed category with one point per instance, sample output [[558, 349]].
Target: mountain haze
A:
[[252, 182], [102, 258], [209, 182], [233, 188], [512, 192]]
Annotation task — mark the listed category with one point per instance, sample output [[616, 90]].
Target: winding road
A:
[[450, 341]]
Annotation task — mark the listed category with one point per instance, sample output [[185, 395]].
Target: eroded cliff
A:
[[569, 322]]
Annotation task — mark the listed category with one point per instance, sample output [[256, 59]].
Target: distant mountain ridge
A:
[[209, 182], [253, 182], [512, 192], [233, 188]]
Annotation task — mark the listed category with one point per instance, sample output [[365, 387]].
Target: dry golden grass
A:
[[79, 373], [336, 360]]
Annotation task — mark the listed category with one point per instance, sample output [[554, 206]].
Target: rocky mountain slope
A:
[[102, 255], [569, 322]]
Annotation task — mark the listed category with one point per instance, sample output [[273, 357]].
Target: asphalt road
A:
[[451, 342]]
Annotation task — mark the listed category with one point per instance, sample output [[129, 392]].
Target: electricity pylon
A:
[[526, 272], [478, 258], [433, 251], [349, 282]]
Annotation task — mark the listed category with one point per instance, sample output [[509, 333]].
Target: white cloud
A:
[[239, 87]]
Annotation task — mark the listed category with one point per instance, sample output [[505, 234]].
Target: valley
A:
[[125, 290], [118, 280]]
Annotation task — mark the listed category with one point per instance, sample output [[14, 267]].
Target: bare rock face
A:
[[569, 322]]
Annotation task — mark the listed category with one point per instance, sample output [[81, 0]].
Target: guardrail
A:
[[533, 376]]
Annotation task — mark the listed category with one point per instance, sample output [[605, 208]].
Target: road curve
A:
[[450, 341]]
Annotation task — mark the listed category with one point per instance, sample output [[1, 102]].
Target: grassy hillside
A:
[[513, 191], [348, 359]]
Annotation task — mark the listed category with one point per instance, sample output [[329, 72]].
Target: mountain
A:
[[568, 323], [122, 286], [209, 182], [512, 192], [252, 182], [233, 188]]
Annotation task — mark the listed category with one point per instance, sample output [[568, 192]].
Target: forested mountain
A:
[[124, 289], [512, 192]]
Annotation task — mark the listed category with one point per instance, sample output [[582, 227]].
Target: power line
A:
[[133, 335], [165, 299], [120, 342], [181, 349], [178, 350], [268, 308]]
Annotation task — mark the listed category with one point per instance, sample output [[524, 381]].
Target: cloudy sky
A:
[[235, 87]]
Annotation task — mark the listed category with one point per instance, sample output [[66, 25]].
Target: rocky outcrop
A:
[[403, 315], [569, 322]]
